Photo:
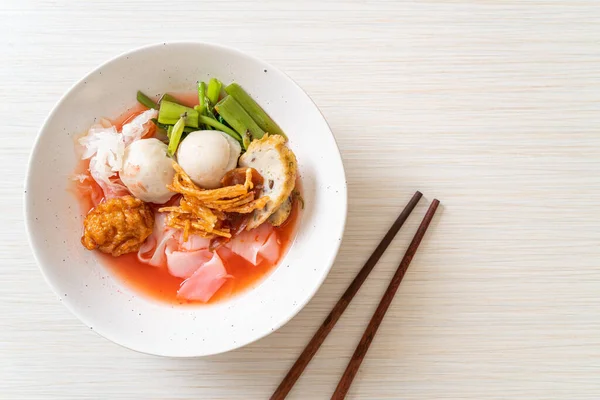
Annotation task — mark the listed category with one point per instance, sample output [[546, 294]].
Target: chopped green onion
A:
[[238, 118], [214, 90], [175, 136], [259, 115], [201, 98], [223, 128], [169, 131], [169, 113], [146, 101]]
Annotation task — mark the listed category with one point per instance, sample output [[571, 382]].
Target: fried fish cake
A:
[[118, 226], [276, 163]]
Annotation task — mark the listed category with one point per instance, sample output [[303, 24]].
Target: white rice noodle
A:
[[137, 128], [105, 147], [203, 270], [257, 244], [153, 250], [205, 281]]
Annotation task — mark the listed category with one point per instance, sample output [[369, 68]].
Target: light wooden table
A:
[[491, 106]]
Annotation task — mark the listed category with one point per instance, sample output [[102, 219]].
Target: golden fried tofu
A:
[[118, 226], [276, 163]]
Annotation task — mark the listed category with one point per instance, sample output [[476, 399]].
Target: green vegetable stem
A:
[[259, 115], [166, 127], [214, 90], [201, 98], [146, 101], [176, 134], [237, 118], [223, 128], [168, 97], [169, 113]]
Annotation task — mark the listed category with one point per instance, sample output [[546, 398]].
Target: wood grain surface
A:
[[491, 106]]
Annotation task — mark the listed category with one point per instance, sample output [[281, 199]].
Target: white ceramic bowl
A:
[[113, 309]]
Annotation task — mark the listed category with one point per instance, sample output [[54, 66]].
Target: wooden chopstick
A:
[[386, 300], [311, 348]]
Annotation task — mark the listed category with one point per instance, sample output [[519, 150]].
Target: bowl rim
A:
[[29, 222]]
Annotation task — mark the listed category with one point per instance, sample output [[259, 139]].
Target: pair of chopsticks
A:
[[363, 346]]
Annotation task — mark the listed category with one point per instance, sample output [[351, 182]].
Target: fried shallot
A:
[[203, 212]]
